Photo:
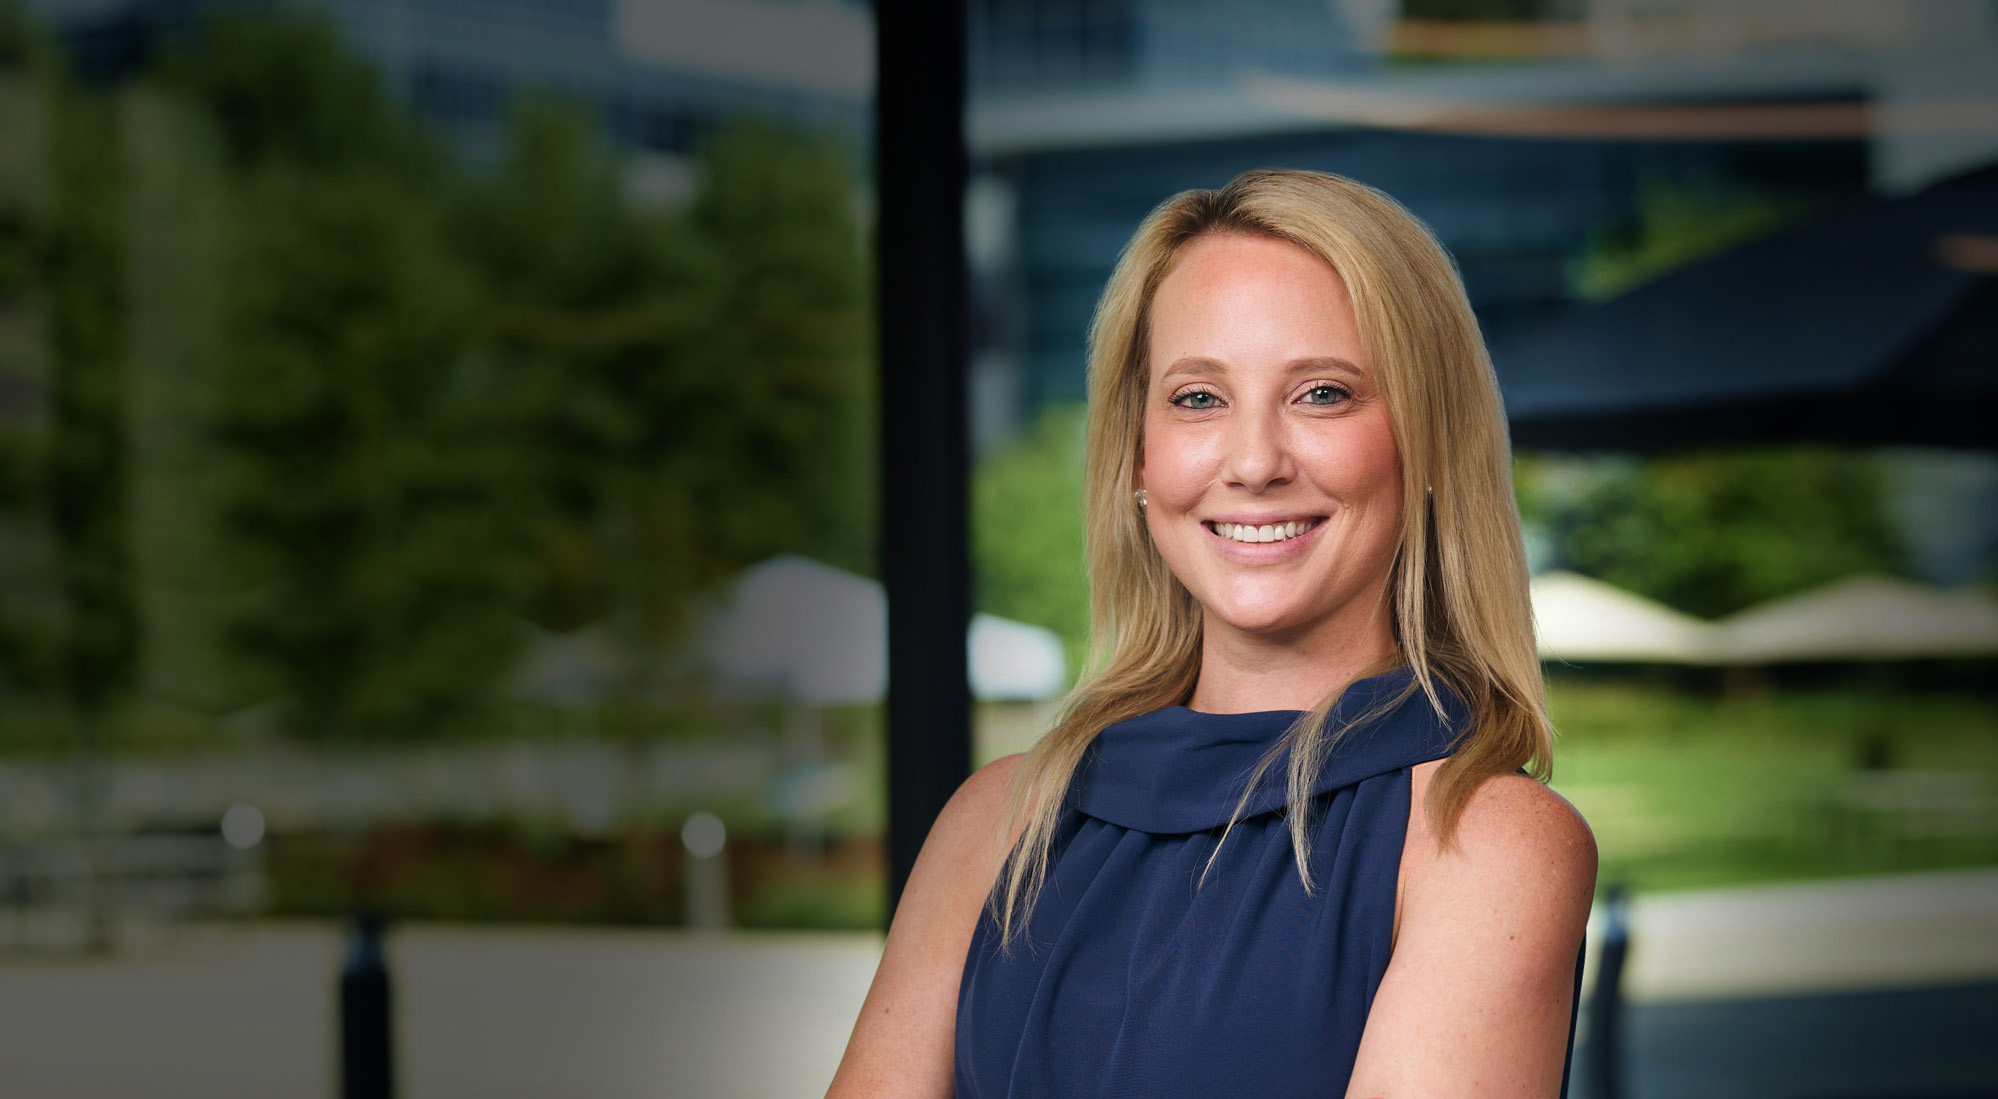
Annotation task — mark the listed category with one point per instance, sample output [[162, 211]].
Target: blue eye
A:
[[1198, 399], [1326, 394]]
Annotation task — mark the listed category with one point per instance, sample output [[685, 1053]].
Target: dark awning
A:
[[1874, 324]]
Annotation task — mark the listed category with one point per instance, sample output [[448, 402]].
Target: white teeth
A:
[[1270, 532]]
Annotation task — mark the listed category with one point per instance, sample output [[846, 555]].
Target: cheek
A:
[[1174, 475], [1384, 470], [1363, 469], [1372, 455]]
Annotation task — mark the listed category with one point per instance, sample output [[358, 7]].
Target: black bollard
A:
[[366, 1050], [1605, 1046]]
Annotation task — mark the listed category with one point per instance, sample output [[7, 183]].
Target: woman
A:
[[1281, 843]]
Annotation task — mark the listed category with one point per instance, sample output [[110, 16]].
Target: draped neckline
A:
[[1176, 770]]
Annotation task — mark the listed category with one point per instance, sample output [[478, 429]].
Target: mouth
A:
[[1266, 532]]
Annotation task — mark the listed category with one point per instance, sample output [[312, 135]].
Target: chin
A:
[[1261, 620]]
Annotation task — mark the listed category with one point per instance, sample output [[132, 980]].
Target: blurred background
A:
[[440, 453]]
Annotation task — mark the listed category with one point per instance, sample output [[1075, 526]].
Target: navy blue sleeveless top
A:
[[1133, 982]]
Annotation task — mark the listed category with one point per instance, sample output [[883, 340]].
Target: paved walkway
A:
[[504, 1013], [246, 1012], [1870, 933]]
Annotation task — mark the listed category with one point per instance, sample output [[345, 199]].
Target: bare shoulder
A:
[[959, 861], [1512, 827], [985, 790], [902, 1041], [968, 834], [1518, 872], [1478, 992]]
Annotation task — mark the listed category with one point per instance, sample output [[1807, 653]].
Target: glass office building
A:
[[1086, 113]]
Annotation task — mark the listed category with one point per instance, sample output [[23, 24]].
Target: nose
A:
[[1258, 455]]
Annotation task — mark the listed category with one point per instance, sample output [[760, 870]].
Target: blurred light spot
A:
[[243, 826], [704, 835]]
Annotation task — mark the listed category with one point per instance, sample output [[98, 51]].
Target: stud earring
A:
[[1141, 499]]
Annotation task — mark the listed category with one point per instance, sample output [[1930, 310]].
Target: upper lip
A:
[[1260, 520]]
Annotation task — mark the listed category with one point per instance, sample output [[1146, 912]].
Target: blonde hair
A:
[[1462, 618]]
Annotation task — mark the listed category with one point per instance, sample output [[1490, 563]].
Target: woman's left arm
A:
[[1478, 995]]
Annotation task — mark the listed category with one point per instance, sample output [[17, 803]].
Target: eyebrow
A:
[[1197, 364]]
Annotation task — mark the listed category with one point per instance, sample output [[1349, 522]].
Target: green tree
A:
[[591, 306], [282, 90], [778, 437], [367, 502], [85, 465], [30, 613], [443, 402], [1027, 540], [1712, 533], [692, 384], [66, 440]]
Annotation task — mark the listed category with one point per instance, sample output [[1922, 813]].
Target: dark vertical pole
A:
[[919, 179], [367, 1065], [1604, 1066]]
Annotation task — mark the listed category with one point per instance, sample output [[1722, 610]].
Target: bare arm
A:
[[1476, 999], [903, 1042]]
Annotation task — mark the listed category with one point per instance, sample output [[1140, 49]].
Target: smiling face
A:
[[1269, 462]]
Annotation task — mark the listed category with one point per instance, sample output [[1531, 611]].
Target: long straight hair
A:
[[1462, 617]]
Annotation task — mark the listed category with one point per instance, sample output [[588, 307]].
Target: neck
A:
[[1243, 672]]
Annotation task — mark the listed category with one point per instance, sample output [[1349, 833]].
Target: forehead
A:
[[1206, 261], [1247, 301]]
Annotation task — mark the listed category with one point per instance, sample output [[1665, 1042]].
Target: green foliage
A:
[[369, 506], [691, 390], [94, 652], [588, 311], [281, 89], [433, 406], [1675, 225], [791, 368], [1711, 533], [828, 900], [1027, 540]]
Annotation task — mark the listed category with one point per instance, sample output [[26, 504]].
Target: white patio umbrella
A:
[[805, 630], [1014, 662], [819, 635], [1863, 618], [1583, 620]]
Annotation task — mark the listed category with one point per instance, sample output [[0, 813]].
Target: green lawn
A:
[[1685, 790]]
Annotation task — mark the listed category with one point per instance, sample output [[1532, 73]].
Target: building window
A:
[[447, 92]]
